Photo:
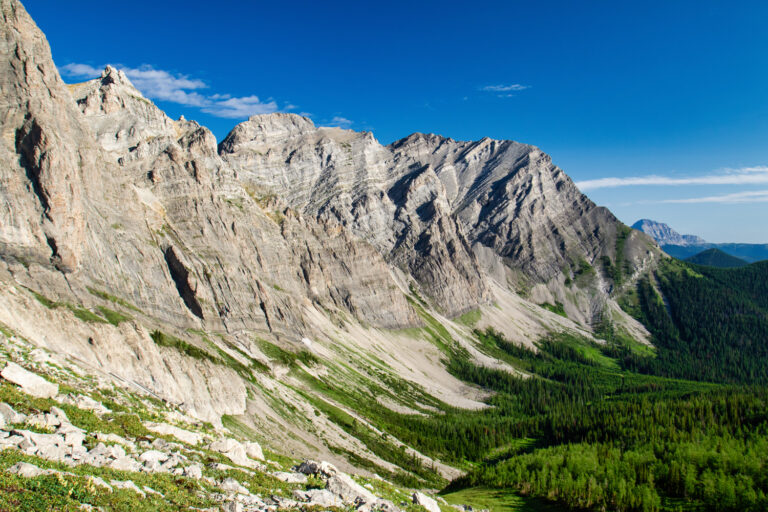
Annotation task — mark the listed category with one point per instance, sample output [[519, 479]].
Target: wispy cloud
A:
[[505, 88], [752, 196], [340, 122], [744, 176], [176, 88]]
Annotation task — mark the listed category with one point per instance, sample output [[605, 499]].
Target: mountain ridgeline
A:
[[429, 314]]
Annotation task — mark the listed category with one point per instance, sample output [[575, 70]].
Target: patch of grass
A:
[[113, 317], [166, 340], [85, 315], [112, 298], [557, 308], [45, 301], [285, 357], [470, 318], [497, 500]]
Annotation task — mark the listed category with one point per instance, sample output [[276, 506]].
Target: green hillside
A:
[[716, 258]]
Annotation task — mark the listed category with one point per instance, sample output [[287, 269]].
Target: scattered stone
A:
[[348, 490], [254, 451], [232, 485], [165, 429], [385, 506], [153, 456], [24, 469], [233, 449], [193, 471], [128, 485], [83, 402], [426, 502], [290, 478], [232, 506], [318, 497], [29, 382], [321, 469], [10, 415], [125, 464]]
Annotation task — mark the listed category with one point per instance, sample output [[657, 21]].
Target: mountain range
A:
[[686, 246], [199, 322]]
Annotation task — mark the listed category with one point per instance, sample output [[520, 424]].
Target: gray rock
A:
[[29, 382], [318, 497], [350, 492], [232, 485], [425, 501], [322, 469], [291, 478], [181, 434], [125, 464], [127, 485], [10, 415], [25, 470]]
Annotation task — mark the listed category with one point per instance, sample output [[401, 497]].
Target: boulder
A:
[[29, 382], [426, 502], [254, 451], [10, 415], [233, 449], [321, 469], [290, 478], [83, 402], [128, 485], [232, 485], [318, 497], [348, 490], [25, 470], [181, 434]]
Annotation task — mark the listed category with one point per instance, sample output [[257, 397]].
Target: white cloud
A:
[[162, 85], [752, 196], [505, 88], [743, 176], [340, 122]]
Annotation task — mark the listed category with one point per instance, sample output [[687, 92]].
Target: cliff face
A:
[[283, 232]]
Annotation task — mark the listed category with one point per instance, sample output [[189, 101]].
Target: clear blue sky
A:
[[673, 89]]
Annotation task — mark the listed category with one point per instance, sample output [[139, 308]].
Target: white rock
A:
[[233, 449], [181, 434], [10, 415], [348, 490], [25, 470], [151, 456], [426, 502], [83, 402], [194, 471], [100, 482], [232, 485], [322, 469], [318, 497], [290, 478], [128, 485], [125, 464], [29, 382], [254, 451], [232, 506]]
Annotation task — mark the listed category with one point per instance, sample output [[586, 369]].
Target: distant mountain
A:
[[716, 258], [664, 234], [685, 246]]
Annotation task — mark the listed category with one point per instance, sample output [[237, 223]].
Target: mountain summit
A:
[[665, 235]]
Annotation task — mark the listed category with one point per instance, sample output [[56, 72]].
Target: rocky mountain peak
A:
[[665, 235]]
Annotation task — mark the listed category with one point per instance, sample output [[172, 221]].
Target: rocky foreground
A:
[[106, 446]]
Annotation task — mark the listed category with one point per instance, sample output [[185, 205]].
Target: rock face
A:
[[449, 213], [663, 234], [284, 231], [29, 382]]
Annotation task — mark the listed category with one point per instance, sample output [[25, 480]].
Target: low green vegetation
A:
[[557, 308], [166, 340]]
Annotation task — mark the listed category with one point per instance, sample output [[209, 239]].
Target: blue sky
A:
[[670, 99]]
